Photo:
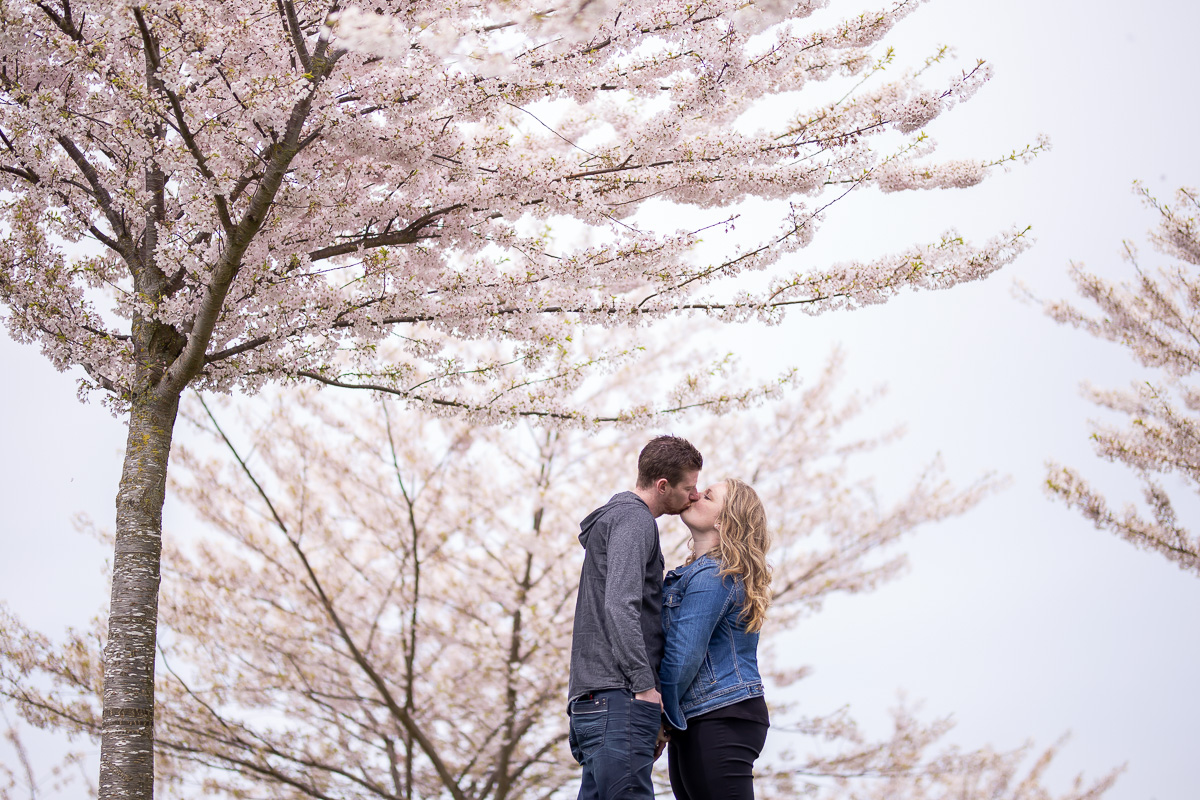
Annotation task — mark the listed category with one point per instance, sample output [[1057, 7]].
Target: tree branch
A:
[[189, 362], [410, 234], [357, 655], [64, 21], [189, 139], [287, 10], [21, 172], [102, 198]]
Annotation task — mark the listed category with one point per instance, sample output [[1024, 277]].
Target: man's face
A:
[[676, 498]]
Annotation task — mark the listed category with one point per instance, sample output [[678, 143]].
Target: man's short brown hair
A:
[[669, 457]]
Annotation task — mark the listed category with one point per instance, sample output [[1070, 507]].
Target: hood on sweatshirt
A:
[[620, 499]]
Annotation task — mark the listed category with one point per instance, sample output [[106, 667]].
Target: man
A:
[[617, 642]]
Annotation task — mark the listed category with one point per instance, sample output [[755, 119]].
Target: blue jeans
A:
[[613, 737]]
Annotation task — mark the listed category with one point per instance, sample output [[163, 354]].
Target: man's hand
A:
[[651, 695]]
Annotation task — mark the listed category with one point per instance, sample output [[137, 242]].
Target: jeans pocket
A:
[[589, 721], [645, 720]]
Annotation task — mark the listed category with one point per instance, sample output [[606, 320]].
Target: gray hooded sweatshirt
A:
[[617, 642]]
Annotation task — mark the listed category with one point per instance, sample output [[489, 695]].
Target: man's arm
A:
[[629, 544]]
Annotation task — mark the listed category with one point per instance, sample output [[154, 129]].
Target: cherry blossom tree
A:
[[1154, 317], [384, 609], [221, 194]]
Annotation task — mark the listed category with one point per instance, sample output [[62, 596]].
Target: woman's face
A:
[[701, 516]]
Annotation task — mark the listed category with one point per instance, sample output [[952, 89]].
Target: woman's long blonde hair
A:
[[742, 550]]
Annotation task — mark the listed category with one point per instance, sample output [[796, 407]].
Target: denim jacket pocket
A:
[[707, 674]]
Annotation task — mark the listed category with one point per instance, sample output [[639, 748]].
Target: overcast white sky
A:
[[1019, 618]]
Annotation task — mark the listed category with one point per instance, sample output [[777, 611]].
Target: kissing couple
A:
[[670, 662]]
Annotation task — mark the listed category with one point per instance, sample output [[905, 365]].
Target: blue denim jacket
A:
[[711, 661]]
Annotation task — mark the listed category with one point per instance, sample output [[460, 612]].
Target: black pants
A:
[[714, 759]]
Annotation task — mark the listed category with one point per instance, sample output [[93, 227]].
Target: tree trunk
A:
[[127, 735]]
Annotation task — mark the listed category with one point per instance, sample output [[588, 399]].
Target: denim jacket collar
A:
[[684, 570]]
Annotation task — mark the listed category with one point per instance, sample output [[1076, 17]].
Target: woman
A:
[[713, 608]]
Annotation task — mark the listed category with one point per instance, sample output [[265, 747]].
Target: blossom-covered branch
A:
[[1154, 317], [421, 171]]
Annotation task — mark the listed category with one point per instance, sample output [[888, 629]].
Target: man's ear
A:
[[661, 485]]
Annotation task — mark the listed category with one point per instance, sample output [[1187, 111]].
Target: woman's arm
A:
[[705, 599]]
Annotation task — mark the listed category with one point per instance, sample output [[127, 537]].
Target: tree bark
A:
[[127, 734]]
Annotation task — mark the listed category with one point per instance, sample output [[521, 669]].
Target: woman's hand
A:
[[664, 736]]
